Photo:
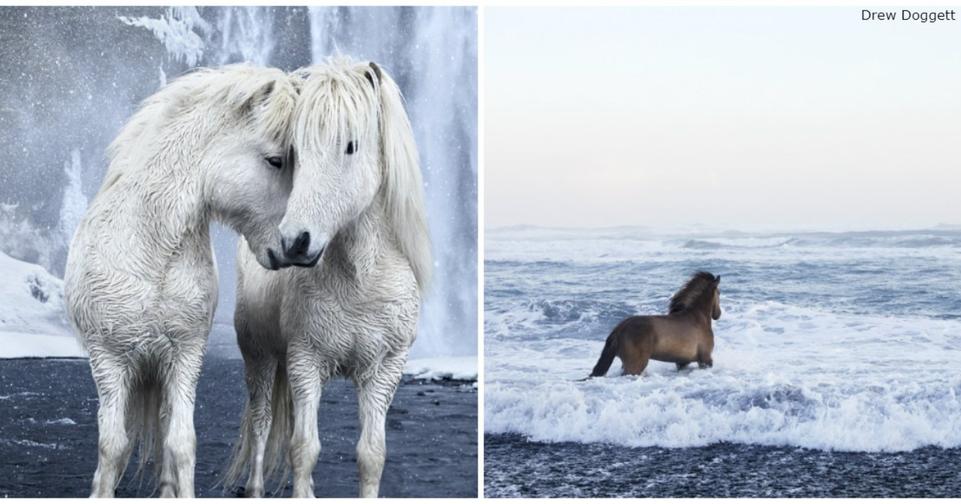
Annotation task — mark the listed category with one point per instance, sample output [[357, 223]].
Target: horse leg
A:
[[704, 359], [131, 444], [260, 381], [681, 365], [180, 439], [113, 388], [635, 358], [374, 396], [305, 385], [168, 471], [638, 366]]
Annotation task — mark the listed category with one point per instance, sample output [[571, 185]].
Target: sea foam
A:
[[842, 353]]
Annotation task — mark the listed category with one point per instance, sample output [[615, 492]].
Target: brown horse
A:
[[682, 336]]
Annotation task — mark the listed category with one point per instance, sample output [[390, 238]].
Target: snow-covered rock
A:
[[441, 368], [32, 317]]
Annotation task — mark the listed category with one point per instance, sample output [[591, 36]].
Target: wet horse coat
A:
[[141, 284], [356, 214], [682, 336]]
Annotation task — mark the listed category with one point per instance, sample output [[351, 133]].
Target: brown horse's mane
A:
[[693, 291]]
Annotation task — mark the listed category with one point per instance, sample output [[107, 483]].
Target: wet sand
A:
[[48, 434], [515, 467]]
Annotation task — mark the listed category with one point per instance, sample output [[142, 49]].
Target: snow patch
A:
[[61, 421], [29, 443], [22, 239], [443, 368], [32, 317]]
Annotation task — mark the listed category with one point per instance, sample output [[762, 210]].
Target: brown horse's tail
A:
[[607, 355]]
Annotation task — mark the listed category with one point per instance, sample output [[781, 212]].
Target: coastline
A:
[[515, 467]]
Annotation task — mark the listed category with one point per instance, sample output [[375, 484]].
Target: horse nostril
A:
[[301, 244]]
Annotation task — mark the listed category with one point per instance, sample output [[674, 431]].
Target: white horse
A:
[[140, 282], [356, 210]]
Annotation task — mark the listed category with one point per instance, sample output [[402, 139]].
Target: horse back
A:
[[662, 337]]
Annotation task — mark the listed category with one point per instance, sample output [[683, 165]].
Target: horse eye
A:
[[351, 147], [276, 162]]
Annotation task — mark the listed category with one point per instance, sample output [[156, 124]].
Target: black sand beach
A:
[[514, 467], [48, 434]]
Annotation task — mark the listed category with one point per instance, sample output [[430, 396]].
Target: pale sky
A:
[[751, 118]]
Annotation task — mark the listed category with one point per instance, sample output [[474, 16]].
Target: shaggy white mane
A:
[[345, 98], [221, 91], [337, 103]]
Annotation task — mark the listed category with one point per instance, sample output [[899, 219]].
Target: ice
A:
[[177, 30]]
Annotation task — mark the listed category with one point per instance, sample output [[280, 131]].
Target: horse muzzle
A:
[[276, 262], [308, 262], [297, 252]]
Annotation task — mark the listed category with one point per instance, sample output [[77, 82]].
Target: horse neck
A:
[[358, 248], [700, 310], [162, 197]]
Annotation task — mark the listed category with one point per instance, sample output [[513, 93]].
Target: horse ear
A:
[[298, 82], [376, 74], [718, 279], [258, 97], [270, 105]]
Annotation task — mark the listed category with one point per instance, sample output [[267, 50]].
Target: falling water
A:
[[247, 35], [432, 55], [70, 77], [74, 202]]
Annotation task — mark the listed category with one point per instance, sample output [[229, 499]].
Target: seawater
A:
[[833, 341]]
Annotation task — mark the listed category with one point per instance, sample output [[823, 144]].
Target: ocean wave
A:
[[641, 247], [581, 311], [555, 318], [743, 243], [840, 341], [698, 408], [783, 375]]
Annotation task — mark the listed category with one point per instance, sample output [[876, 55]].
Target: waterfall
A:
[[246, 35], [74, 202], [431, 53], [68, 91]]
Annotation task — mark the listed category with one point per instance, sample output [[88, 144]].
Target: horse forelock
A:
[[337, 104], [343, 99], [693, 291], [268, 94]]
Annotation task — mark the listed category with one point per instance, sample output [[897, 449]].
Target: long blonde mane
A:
[[361, 92], [223, 91]]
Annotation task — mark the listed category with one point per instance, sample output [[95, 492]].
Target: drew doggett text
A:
[[909, 15]]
